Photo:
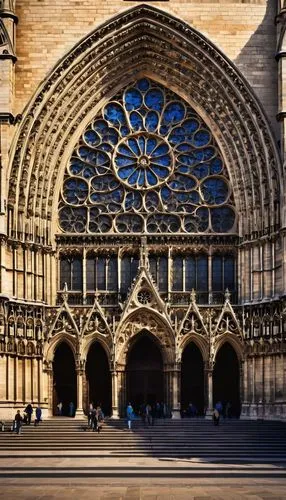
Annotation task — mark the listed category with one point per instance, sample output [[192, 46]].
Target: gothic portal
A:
[[142, 215]]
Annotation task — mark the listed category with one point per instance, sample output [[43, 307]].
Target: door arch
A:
[[226, 379], [145, 381], [192, 378], [98, 376], [65, 381]]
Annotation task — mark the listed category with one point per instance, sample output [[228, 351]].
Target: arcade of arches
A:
[[142, 218]]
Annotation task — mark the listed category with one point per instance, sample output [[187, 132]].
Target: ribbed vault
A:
[[143, 41]]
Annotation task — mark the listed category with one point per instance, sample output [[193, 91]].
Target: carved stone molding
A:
[[145, 40]]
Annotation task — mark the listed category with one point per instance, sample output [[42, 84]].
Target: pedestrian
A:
[[148, 412], [216, 416], [129, 415], [89, 415], [60, 408], [38, 415], [100, 418], [18, 422], [29, 410], [219, 407], [71, 409], [94, 420]]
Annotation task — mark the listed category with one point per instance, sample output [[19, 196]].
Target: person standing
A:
[[71, 409], [29, 410], [18, 422], [60, 408], [38, 415], [89, 415], [216, 416], [148, 412], [129, 415]]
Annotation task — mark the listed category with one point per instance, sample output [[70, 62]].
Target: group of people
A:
[[148, 413], [26, 418], [95, 417], [222, 410], [61, 410]]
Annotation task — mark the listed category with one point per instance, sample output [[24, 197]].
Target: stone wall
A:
[[243, 30]]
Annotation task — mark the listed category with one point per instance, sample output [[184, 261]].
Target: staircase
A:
[[181, 448], [233, 440]]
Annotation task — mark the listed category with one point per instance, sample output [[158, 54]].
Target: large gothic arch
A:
[[142, 40]]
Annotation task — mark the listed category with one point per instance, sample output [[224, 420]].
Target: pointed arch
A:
[[51, 346], [231, 339], [200, 342], [143, 41]]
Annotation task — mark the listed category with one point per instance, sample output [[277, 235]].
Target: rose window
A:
[[147, 163], [144, 297]]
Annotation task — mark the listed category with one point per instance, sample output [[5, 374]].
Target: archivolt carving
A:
[[144, 320], [145, 40]]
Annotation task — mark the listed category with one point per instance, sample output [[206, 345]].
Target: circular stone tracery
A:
[[143, 161], [147, 163]]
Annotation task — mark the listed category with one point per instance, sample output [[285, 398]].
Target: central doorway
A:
[[145, 381], [98, 378], [65, 383], [192, 380]]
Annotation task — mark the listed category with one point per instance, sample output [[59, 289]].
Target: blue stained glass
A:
[[106, 147], [188, 159], [92, 138], [184, 147], [123, 161], [132, 99], [174, 113], [214, 190], [162, 149], [114, 113], [141, 178], [76, 166], [117, 195], [132, 143], [194, 197], [133, 199], [124, 131], [154, 99], [203, 218], [160, 171], [223, 219], [165, 193], [89, 172], [136, 121], [142, 143], [124, 173], [162, 160], [190, 126], [100, 126], [151, 144], [201, 171], [201, 138], [177, 135], [111, 136], [143, 84], [133, 178], [151, 121], [164, 130], [125, 150], [216, 166], [152, 180], [204, 154]]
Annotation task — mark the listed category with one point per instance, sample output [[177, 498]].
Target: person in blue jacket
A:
[[129, 415]]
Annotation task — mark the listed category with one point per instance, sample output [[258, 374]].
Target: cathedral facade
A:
[[142, 210]]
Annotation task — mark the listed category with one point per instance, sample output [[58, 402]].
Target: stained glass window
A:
[[147, 163]]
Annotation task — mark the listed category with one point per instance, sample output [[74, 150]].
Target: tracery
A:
[[146, 164]]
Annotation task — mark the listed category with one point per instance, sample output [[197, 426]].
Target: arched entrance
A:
[[192, 378], [98, 378], [144, 372], [226, 380], [64, 387]]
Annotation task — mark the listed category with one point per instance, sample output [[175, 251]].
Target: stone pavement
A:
[[49, 478]]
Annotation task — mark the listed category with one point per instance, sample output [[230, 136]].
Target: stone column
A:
[[79, 377], [209, 391], [176, 383], [48, 371], [115, 395]]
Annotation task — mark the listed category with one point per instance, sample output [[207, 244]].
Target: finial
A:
[[144, 260], [227, 295], [65, 292], [193, 295]]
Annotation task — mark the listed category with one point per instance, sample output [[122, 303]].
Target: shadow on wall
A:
[[257, 63]]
